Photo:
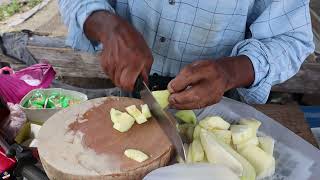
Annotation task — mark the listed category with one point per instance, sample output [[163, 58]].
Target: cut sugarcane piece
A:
[[136, 114], [136, 155], [266, 143], [196, 132], [216, 150], [145, 111], [224, 135], [122, 120], [253, 123], [252, 141], [187, 116], [162, 97], [214, 122], [189, 154], [263, 163], [197, 151], [241, 133]]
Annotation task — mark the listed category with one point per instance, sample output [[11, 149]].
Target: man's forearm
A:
[[239, 70], [100, 24]]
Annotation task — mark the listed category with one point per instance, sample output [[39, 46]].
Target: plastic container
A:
[[41, 115]]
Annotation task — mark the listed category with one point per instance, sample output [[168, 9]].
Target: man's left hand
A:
[[203, 83]]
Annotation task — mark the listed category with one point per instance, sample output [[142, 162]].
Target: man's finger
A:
[[117, 75], [128, 78], [145, 76], [189, 106], [188, 76], [189, 95]]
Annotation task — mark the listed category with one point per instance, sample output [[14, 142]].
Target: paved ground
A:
[[46, 21]]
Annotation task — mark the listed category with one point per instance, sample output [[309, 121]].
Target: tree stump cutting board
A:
[[80, 143]]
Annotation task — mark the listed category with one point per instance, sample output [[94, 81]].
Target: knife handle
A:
[[138, 87]]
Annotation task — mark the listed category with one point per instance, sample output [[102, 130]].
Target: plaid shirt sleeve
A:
[[280, 40], [74, 14]]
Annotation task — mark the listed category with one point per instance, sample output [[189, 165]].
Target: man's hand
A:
[[125, 54], [203, 83]]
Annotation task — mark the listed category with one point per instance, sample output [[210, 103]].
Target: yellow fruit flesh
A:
[[214, 122], [187, 116], [136, 155], [241, 133], [136, 114], [162, 97]]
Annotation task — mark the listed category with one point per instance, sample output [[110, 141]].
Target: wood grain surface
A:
[[100, 136], [291, 117]]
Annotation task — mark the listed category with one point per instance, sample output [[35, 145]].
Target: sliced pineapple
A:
[[224, 135], [253, 123], [122, 120], [187, 116], [266, 143], [162, 97], [136, 114], [241, 133], [136, 155], [263, 163], [252, 141], [145, 111], [197, 151], [214, 122]]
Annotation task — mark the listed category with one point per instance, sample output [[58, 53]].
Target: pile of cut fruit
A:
[[212, 140]]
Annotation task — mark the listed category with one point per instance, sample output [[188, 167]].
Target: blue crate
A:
[[312, 115]]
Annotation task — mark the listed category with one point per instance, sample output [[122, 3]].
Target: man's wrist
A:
[[100, 25], [239, 71]]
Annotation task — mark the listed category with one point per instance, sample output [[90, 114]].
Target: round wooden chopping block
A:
[[80, 143]]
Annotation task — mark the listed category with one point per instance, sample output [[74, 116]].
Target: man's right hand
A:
[[125, 54]]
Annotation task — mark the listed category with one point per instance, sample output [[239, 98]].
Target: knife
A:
[[165, 120]]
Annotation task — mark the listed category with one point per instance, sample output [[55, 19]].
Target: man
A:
[[209, 46]]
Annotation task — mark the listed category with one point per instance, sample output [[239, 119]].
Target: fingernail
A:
[[170, 89], [172, 99]]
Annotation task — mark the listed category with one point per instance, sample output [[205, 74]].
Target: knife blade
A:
[[165, 120]]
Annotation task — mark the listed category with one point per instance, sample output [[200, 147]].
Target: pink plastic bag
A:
[[14, 87]]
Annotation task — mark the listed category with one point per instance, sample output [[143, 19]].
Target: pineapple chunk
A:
[[197, 151], [122, 121], [145, 111], [263, 163], [241, 133], [162, 97], [214, 122], [136, 155], [196, 132], [224, 135], [136, 114], [266, 143], [187, 116], [216, 151], [254, 124], [252, 141]]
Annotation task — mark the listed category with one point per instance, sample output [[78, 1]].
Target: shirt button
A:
[[172, 2], [162, 39]]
